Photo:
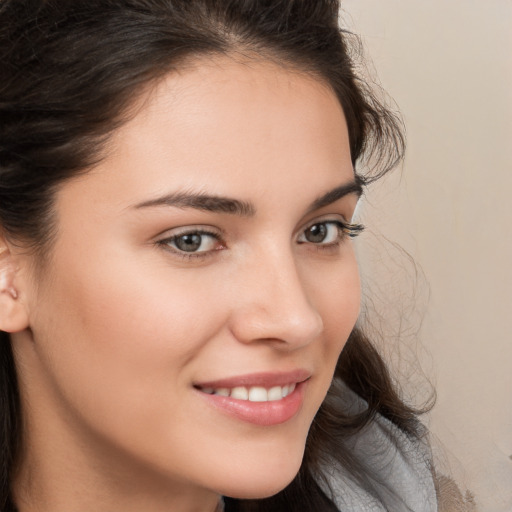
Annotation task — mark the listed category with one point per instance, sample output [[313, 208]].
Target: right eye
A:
[[193, 242]]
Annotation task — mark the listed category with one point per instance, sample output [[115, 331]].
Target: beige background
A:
[[448, 65]]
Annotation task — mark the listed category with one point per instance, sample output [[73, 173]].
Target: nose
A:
[[273, 306]]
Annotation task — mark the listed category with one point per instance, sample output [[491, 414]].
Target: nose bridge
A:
[[275, 303]]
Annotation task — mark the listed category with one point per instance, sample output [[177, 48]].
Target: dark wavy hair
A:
[[70, 70]]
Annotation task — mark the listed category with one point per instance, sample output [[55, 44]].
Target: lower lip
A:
[[260, 413]]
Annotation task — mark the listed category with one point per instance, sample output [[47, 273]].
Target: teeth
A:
[[291, 388], [240, 393], [258, 395], [275, 393], [254, 393]]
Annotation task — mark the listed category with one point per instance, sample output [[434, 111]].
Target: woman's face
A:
[[204, 257]]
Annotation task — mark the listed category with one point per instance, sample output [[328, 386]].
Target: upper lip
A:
[[263, 379]]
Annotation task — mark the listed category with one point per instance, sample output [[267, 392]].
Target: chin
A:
[[259, 490], [262, 482]]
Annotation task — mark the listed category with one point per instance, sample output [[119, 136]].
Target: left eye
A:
[[193, 242], [322, 233]]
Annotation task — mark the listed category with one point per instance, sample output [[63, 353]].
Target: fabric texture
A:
[[398, 474]]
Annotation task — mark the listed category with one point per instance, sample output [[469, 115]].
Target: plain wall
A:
[[448, 65]]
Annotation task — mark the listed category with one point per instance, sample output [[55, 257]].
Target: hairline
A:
[[239, 52]]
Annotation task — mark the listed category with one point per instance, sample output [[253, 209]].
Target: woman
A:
[[177, 186]]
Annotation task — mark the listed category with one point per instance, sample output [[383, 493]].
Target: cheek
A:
[[336, 294], [123, 301], [113, 337]]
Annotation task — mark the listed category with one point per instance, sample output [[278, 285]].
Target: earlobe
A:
[[13, 314]]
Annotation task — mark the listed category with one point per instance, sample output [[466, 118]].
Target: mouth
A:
[[253, 393], [263, 399]]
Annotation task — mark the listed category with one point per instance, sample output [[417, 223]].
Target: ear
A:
[[13, 313]]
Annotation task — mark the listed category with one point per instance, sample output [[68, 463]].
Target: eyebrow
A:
[[352, 187], [220, 204], [200, 201]]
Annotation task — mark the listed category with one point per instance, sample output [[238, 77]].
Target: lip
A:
[[264, 379], [264, 414]]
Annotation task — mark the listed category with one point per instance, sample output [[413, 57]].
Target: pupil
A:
[[188, 243], [316, 233]]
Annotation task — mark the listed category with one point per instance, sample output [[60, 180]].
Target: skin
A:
[[121, 326]]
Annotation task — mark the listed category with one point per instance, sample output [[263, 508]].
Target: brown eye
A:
[[188, 243], [192, 242], [322, 233], [316, 233]]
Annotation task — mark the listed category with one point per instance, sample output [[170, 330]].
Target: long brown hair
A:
[[69, 70]]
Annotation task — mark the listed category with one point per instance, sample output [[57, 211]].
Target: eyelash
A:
[[344, 230], [166, 244]]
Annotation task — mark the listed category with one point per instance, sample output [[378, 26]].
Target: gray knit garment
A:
[[398, 477]]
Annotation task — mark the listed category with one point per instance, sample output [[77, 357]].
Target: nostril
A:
[[273, 303], [291, 329]]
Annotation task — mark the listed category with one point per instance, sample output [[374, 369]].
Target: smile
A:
[[263, 399], [253, 393]]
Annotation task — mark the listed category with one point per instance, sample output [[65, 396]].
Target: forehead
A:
[[230, 80], [249, 130], [221, 112]]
